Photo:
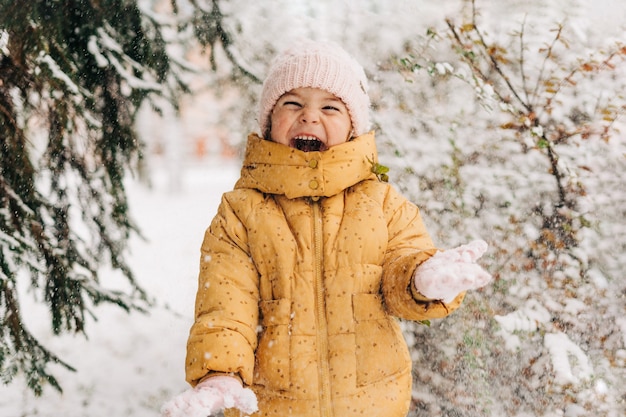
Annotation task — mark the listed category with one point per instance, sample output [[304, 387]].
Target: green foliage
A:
[[379, 170], [73, 75], [207, 25]]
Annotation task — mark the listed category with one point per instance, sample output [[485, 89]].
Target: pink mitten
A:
[[451, 272], [210, 397]]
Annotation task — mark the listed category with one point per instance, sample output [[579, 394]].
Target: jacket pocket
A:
[[380, 347], [272, 356]]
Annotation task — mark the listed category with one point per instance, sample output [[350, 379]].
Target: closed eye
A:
[[334, 105]]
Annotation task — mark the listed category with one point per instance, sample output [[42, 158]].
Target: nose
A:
[[309, 115]]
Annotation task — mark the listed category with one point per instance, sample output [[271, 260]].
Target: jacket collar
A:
[[278, 169]]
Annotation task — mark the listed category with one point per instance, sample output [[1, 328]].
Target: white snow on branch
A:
[[4, 41], [107, 41], [444, 68], [57, 72], [537, 131], [526, 319], [133, 81], [9, 241], [91, 120], [124, 65], [570, 364], [92, 46]]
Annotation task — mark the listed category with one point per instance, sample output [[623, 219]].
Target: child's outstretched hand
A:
[[211, 397], [448, 273]]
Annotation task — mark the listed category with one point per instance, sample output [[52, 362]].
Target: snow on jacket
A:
[[302, 271]]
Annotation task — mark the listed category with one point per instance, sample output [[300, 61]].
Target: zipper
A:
[[320, 308]]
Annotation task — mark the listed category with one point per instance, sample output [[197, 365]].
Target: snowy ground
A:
[[131, 363]]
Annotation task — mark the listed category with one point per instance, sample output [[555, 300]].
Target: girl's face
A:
[[310, 119]]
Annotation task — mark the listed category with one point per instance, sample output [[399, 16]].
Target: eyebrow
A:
[[334, 98], [329, 96], [289, 95]]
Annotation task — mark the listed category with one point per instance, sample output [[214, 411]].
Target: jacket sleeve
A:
[[223, 336], [409, 245]]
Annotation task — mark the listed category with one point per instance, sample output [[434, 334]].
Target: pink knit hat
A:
[[315, 64]]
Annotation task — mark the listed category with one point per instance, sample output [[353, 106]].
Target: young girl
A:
[[310, 259]]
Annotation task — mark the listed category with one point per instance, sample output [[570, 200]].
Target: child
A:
[[310, 258]]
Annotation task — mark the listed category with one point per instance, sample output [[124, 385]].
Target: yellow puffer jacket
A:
[[302, 271]]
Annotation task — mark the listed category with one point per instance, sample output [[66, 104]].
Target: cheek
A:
[[278, 121], [340, 133], [279, 125]]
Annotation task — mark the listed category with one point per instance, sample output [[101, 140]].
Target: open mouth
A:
[[307, 144]]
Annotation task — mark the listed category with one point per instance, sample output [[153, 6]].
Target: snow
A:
[[4, 40], [127, 68], [569, 362], [130, 364], [57, 72], [92, 47]]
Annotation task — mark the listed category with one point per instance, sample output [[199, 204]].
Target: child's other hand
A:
[[211, 397], [451, 272]]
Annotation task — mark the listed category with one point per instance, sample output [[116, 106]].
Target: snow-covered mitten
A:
[[448, 273], [211, 397]]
